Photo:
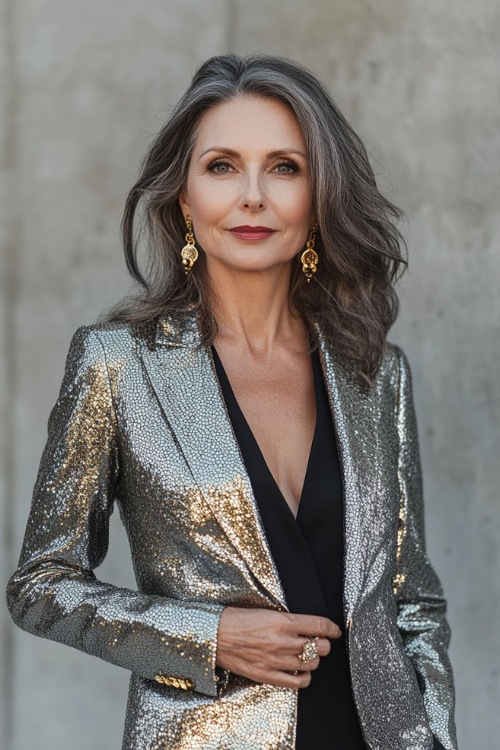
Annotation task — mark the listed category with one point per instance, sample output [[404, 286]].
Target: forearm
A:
[[426, 634], [149, 635]]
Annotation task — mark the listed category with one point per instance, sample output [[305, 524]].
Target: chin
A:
[[251, 263]]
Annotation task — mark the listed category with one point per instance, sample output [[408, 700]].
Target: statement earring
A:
[[309, 257], [189, 253]]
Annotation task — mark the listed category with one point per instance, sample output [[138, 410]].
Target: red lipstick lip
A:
[[252, 234], [247, 229]]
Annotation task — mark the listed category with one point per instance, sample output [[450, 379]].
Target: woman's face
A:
[[249, 169]]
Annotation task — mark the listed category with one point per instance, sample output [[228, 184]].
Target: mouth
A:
[[252, 233]]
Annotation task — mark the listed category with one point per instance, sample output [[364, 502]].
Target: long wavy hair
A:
[[352, 295]]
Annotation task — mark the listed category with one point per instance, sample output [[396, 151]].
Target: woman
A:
[[258, 434]]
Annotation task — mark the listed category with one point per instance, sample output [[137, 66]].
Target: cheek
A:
[[210, 202], [294, 204]]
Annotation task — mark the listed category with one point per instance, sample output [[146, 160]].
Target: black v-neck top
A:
[[308, 552]]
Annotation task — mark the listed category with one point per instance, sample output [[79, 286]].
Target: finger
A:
[[312, 625], [286, 679], [293, 663]]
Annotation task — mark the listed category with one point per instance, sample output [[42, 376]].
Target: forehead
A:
[[247, 123]]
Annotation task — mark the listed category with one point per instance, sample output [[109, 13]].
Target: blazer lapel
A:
[[184, 379], [357, 439]]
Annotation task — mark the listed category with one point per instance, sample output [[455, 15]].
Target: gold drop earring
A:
[[189, 253], [309, 257]]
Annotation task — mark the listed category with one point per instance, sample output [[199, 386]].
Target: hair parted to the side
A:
[[358, 241]]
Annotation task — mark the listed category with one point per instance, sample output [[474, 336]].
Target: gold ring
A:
[[309, 650]]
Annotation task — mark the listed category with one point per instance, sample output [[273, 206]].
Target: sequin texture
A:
[[140, 422]]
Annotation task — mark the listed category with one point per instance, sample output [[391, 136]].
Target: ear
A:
[[184, 202]]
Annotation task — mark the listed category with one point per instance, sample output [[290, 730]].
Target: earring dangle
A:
[[309, 257], [189, 253]]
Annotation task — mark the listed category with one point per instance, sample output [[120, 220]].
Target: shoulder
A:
[[401, 382], [110, 341], [392, 385], [394, 363], [100, 352]]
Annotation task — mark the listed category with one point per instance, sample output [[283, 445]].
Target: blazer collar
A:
[[178, 331], [183, 376]]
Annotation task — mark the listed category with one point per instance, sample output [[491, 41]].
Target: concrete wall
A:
[[82, 87]]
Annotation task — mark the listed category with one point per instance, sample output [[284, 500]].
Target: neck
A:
[[253, 311]]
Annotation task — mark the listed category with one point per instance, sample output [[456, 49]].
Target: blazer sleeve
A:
[[419, 595], [54, 592]]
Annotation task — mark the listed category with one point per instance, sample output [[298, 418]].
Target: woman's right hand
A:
[[264, 645]]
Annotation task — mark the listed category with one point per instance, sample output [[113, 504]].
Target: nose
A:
[[252, 195]]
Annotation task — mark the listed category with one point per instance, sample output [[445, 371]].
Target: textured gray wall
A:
[[82, 87]]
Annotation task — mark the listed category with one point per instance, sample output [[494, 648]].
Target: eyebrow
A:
[[277, 152]]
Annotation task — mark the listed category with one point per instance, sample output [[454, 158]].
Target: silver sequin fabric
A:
[[140, 424]]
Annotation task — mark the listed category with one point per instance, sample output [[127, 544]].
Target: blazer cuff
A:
[[190, 662]]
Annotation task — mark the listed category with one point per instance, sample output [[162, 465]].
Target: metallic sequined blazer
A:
[[140, 421]]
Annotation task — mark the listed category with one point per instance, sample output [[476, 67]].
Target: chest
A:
[[278, 402]]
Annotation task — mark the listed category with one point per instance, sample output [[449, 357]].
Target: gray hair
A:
[[358, 241]]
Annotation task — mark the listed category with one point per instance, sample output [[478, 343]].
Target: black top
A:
[[308, 553]]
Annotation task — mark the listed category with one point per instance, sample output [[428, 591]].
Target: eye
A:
[[286, 167], [219, 166]]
